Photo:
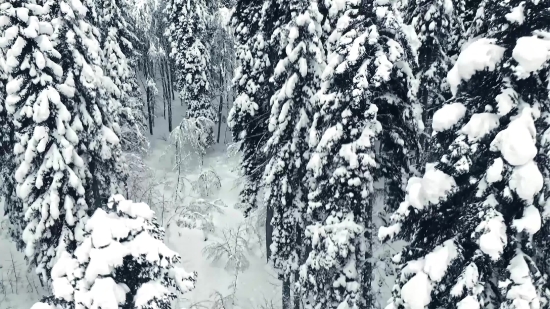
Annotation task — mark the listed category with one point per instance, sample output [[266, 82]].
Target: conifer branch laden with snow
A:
[[122, 262], [65, 148], [187, 35], [191, 138], [117, 51], [39, 184], [435, 23], [250, 111], [368, 78], [474, 218], [295, 78]]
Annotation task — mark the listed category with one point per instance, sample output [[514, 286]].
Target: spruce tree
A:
[[470, 17], [44, 135], [332, 11], [472, 218], [65, 149], [250, 112], [368, 71], [187, 34], [96, 109], [7, 194], [297, 41], [434, 22], [400, 114], [121, 263], [117, 45]]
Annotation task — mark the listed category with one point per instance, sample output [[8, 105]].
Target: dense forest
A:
[[334, 154]]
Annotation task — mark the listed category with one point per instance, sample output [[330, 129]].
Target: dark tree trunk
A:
[[301, 259], [164, 85], [220, 108], [286, 294], [96, 195], [148, 94], [172, 81], [168, 92], [268, 232], [152, 73], [297, 298], [170, 96]]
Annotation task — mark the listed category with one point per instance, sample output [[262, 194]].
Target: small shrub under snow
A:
[[122, 263]]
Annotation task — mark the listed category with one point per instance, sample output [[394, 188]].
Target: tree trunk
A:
[[169, 92], [163, 89], [148, 95], [226, 127], [152, 72], [96, 195], [220, 108], [367, 269], [297, 298], [268, 232], [301, 252], [286, 294], [172, 82]]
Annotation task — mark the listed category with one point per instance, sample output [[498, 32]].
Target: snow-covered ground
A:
[[258, 283]]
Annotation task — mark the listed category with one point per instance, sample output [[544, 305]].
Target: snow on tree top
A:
[[517, 142], [531, 53], [477, 56], [517, 15], [531, 221], [447, 116], [130, 208], [480, 125]]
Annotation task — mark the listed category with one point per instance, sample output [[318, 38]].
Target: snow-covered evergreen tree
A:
[[121, 263], [187, 34], [399, 111], [133, 124], [96, 110], [470, 17], [12, 208], [471, 219], [332, 10], [250, 112], [117, 44], [45, 136], [297, 40], [434, 22], [65, 149], [369, 70]]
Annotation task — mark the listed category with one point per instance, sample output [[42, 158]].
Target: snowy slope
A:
[[258, 283]]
